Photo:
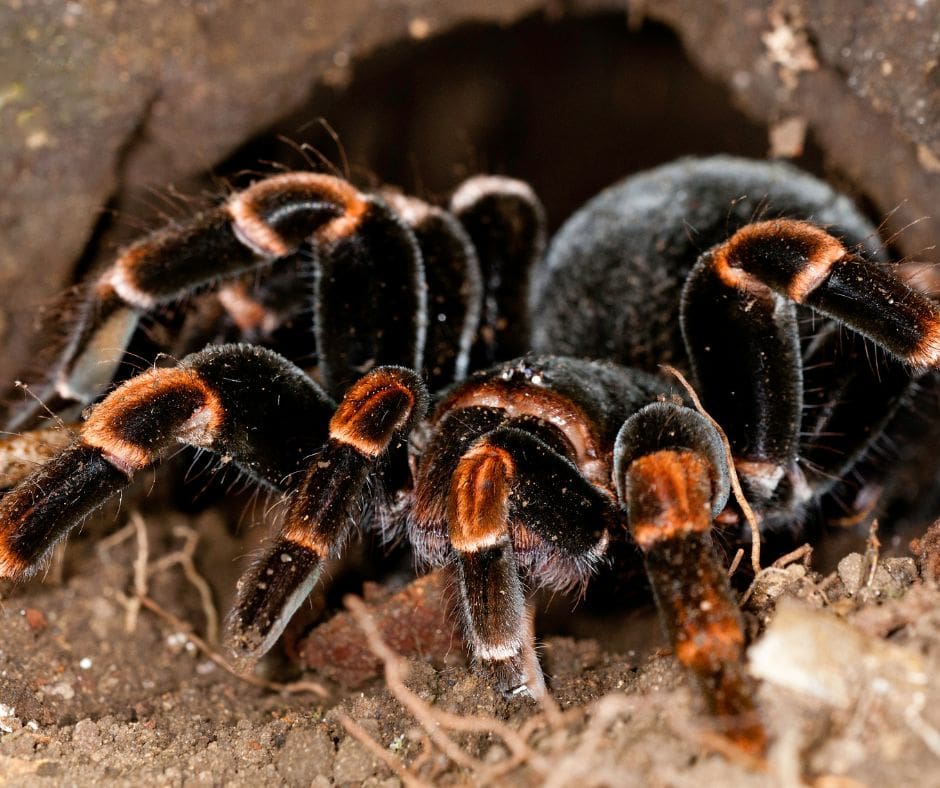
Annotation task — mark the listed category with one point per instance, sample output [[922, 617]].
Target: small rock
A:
[[354, 764], [10, 724], [850, 572], [63, 689], [817, 654], [891, 576], [306, 752], [495, 754], [774, 583], [86, 734], [903, 571], [35, 619], [415, 622]]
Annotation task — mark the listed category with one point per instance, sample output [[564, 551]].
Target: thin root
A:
[[291, 688], [143, 570], [435, 722]]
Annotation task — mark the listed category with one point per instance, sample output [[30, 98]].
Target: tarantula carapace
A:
[[522, 473]]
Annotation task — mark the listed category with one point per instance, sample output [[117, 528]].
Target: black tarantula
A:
[[523, 472]]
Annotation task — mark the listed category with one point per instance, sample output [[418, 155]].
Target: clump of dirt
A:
[[110, 676]]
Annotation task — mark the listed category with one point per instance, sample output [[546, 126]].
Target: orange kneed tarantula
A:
[[563, 437]]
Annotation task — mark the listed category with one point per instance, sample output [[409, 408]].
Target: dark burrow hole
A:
[[569, 106]]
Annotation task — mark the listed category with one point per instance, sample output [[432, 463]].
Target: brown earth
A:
[[94, 689]]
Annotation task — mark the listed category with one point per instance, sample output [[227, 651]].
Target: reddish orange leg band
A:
[[670, 517]]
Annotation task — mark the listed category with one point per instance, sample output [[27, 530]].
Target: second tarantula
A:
[[523, 472]]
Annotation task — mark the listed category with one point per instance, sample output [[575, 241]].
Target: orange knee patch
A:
[[245, 208], [106, 430], [822, 252], [670, 494], [373, 409], [927, 353], [11, 565], [478, 504]]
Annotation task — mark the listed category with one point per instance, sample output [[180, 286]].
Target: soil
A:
[[96, 691]]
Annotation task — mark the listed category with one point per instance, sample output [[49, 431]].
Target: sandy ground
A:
[[95, 689]]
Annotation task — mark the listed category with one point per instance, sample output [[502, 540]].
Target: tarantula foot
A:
[[45, 507], [268, 595], [515, 677]]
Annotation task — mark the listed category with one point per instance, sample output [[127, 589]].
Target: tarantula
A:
[[525, 471]]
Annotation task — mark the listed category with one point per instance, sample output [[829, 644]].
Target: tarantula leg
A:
[[509, 489], [366, 258], [496, 616], [672, 495], [739, 326], [808, 266], [849, 399], [745, 352], [159, 269], [247, 404], [378, 409], [252, 317], [87, 364], [494, 604], [455, 288], [506, 222], [370, 298]]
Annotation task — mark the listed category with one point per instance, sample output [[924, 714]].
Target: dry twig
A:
[[556, 762], [736, 561], [291, 688], [778, 567], [433, 720], [185, 558], [803, 552], [872, 554]]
